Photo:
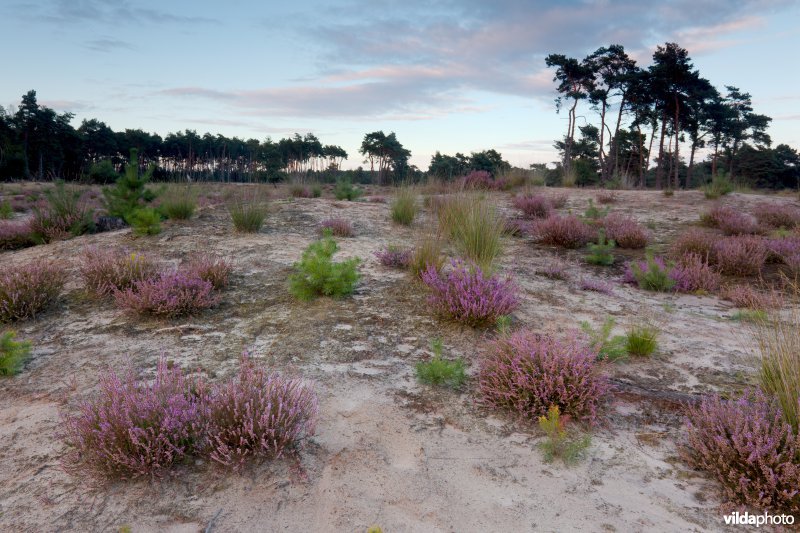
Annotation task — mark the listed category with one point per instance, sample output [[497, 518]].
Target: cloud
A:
[[118, 12], [108, 44], [66, 105]]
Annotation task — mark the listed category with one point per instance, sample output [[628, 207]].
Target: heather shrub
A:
[[742, 255], [404, 206], [653, 274], [692, 273], [64, 215], [625, 231], [559, 200], [479, 179], [747, 297], [559, 442], [427, 253], [527, 373], [748, 448], [641, 339], [465, 294], [130, 190], [600, 253], [607, 197], [12, 353], [344, 190], [533, 205], [215, 270], [131, 428], [694, 241], [474, 226], [514, 227], [596, 285], [257, 413], [394, 256], [554, 270], [775, 215], [738, 223], [605, 345], [565, 231], [712, 217], [300, 190], [26, 290], [105, 270], [248, 213], [784, 250], [179, 203], [338, 227], [171, 294], [316, 275], [439, 371], [16, 234], [144, 221]]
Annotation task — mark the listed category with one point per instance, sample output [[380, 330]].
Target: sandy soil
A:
[[388, 451]]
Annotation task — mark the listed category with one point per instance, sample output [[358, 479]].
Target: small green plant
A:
[[145, 221], [600, 252], [503, 324], [669, 193], [6, 211], [593, 212], [316, 275], [654, 276], [404, 206], [642, 339], [560, 443], [720, 186], [344, 190], [130, 191], [12, 353], [428, 251], [750, 315], [248, 214], [438, 371], [607, 346], [179, 203]]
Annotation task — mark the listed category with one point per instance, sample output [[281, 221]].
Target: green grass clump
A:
[[248, 214], [6, 211], [560, 443], [316, 275], [600, 252], [720, 186], [145, 221], [404, 206], [642, 340], [439, 371], [179, 203], [607, 346], [345, 190], [475, 228], [12, 353], [428, 251]]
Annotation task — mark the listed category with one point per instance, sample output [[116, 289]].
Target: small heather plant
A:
[[144, 221], [344, 190], [600, 253], [560, 443], [747, 297], [746, 445], [527, 373], [775, 215], [479, 179], [554, 270], [394, 256], [784, 250], [694, 241], [712, 217], [515, 227], [743, 255], [565, 231], [607, 197], [12, 353], [738, 223], [171, 294], [317, 275], [533, 205], [439, 371], [559, 200], [625, 231], [607, 346], [653, 274], [465, 294], [257, 414], [26, 290], [338, 227], [105, 271], [596, 285], [207, 267], [642, 339], [16, 234], [134, 429], [404, 206], [248, 213], [692, 273], [179, 203]]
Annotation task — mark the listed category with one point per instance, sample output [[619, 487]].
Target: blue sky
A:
[[444, 75]]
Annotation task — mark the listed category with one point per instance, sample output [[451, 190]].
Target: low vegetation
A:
[[12, 353], [317, 275], [439, 371], [28, 289]]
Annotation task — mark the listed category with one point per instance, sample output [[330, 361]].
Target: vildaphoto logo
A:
[[758, 520]]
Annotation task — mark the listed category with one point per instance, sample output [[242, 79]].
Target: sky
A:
[[446, 75]]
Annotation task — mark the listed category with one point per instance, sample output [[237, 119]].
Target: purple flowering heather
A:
[[171, 294], [533, 205], [625, 231], [741, 255], [394, 257], [28, 289], [257, 413], [465, 294], [107, 270], [596, 285], [781, 249], [15, 234], [528, 373], [215, 270], [132, 429], [565, 231], [692, 273], [746, 446], [338, 226], [775, 215]]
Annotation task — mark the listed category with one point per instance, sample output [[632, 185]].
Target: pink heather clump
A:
[[394, 257], [566, 231], [782, 248], [466, 295], [257, 413], [338, 226], [747, 447], [215, 270], [26, 290], [554, 270], [533, 205], [625, 231], [747, 297], [481, 179], [692, 273], [776, 215], [171, 294], [132, 429], [742, 255], [516, 227], [596, 285], [559, 200], [718, 212], [15, 234], [105, 270], [527, 373], [738, 223], [694, 241]]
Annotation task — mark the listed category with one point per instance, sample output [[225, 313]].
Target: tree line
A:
[[667, 104]]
